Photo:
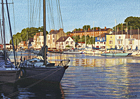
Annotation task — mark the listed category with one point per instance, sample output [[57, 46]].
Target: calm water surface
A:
[[88, 77]]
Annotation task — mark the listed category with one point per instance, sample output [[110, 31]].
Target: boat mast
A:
[[138, 39], [11, 31], [44, 29], [3, 31]]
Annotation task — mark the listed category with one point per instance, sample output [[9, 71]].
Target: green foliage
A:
[[86, 27], [89, 40], [25, 34], [67, 46], [68, 32], [79, 29], [130, 22], [96, 28]]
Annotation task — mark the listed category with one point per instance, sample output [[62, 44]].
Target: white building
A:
[[64, 42]]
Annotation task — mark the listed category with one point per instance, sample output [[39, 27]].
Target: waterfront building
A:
[[100, 41], [65, 42], [9, 46], [53, 36], [117, 41], [90, 32], [133, 42], [38, 40], [128, 40], [22, 44]]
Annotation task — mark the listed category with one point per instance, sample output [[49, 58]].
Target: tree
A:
[[86, 27], [26, 33], [130, 22]]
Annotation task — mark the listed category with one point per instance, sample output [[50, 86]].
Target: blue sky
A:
[[77, 13]]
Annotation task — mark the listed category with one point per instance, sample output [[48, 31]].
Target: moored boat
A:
[[8, 72], [115, 54], [40, 70]]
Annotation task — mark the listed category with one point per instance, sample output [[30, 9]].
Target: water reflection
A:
[[39, 91], [93, 77]]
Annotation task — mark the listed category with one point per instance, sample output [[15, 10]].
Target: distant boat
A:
[[115, 54], [73, 51]]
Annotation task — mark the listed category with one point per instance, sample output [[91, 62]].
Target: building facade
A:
[[92, 33], [53, 36], [100, 41], [65, 42]]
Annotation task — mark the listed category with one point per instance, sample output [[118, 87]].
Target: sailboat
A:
[[40, 70], [9, 73]]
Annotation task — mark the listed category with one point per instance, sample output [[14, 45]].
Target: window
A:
[[53, 36], [71, 42], [104, 42], [67, 42], [98, 38], [130, 42], [119, 37], [97, 42], [110, 42], [110, 36]]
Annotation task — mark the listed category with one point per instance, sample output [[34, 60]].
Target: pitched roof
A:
[[103, 35], [62, 39], [54, 31]]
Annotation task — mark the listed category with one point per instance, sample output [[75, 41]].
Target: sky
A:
[[75, 13]]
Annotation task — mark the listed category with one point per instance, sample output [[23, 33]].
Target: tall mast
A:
[[93, 33], [44, 29], [3, 30], [11, 31], [138, 39]]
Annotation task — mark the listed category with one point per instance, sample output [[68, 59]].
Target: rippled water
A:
[[88, 77]]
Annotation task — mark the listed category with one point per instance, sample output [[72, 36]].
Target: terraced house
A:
[[53, 36], [92, 33], [100, 41]]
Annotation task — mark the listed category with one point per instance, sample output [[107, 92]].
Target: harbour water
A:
[[88, 77]]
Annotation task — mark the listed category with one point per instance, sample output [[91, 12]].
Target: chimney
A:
[[105, 27], [88, 29], [52, 30], [60, 29], [81, 29], [96, 28]]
